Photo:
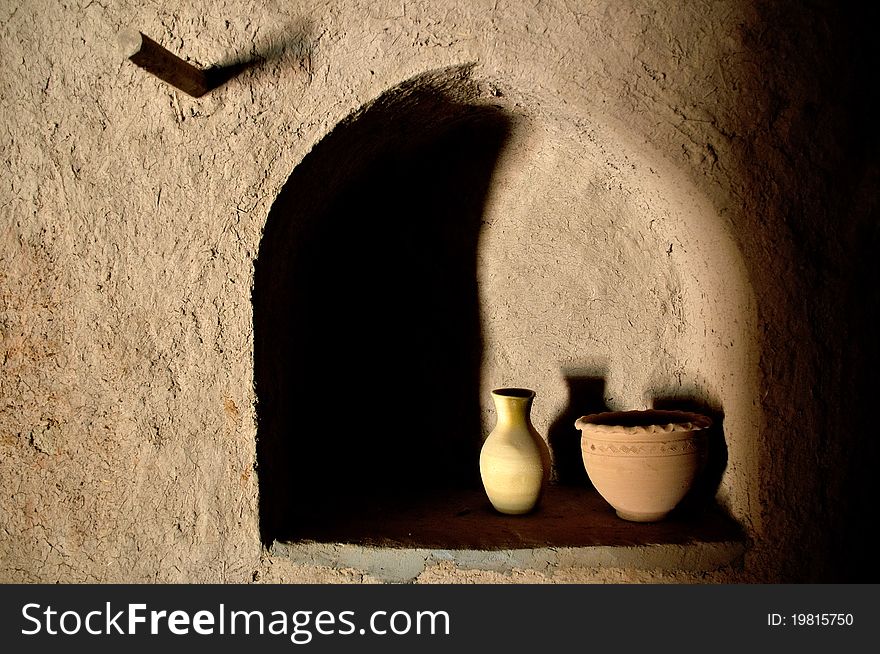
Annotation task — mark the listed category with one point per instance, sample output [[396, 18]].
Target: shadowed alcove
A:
[[366, 312]]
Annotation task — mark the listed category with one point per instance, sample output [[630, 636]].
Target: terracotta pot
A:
[[643, 462], [515, 459]]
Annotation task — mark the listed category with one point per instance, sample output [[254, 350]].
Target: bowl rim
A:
[[643, 421]]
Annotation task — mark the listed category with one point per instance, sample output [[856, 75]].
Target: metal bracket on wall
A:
[[152, 57], [293, 43]]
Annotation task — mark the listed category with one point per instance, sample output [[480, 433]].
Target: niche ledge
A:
[[573, 527]]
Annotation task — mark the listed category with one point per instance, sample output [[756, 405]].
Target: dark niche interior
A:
[[366, 315], [368, 344]]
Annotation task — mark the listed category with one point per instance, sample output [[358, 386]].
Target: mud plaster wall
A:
[[685, 207]]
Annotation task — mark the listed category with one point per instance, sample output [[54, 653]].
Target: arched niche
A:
[[451, 237]]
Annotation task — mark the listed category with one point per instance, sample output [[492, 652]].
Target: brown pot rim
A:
[[644, 421]]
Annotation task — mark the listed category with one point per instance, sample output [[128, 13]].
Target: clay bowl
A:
[[643, 462]]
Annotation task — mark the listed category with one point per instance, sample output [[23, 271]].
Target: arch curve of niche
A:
[[455, 236]]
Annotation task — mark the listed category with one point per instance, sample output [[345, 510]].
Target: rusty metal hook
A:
[[152, 57]]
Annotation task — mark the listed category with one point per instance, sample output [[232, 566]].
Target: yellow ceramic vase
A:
[[514, 460]]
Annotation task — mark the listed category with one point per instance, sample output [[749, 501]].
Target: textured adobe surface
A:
[[682, 212]]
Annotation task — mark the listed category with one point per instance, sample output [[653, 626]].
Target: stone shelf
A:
[[394, 539]]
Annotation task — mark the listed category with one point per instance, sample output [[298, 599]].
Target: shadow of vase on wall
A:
[[586, 395]]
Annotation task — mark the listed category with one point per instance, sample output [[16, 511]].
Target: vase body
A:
[[514, 459], [643, 462]]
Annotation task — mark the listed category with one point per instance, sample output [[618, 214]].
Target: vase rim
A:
[[514, 393], [648, 421]]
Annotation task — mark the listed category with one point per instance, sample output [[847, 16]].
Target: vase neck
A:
[[512, 406]]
